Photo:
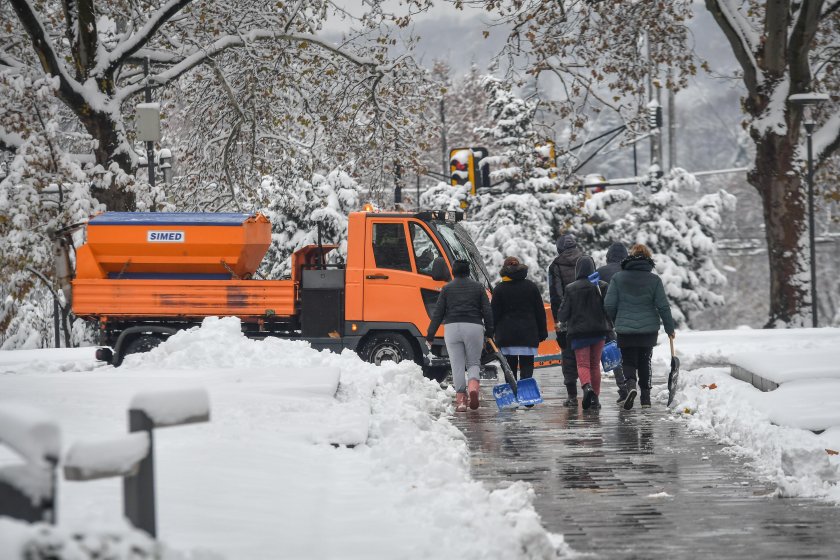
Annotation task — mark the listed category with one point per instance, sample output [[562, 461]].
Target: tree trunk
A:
[[785, 219], [110, 148]]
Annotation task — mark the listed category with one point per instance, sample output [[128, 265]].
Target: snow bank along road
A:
[[273, 474], [651, 484]]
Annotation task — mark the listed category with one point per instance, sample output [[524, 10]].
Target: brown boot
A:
[[460, 402], [473, 392]]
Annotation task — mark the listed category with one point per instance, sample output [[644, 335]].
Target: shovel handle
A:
[[671, 340], [492, 344]]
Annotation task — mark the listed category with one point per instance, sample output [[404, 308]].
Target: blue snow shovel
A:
[[513, 394], [504, 393]]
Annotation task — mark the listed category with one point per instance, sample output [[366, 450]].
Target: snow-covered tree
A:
[[681, 233], [254, 77], [296, 211], [602, 54]]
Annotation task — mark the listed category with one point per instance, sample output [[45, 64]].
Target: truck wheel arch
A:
[[132, 333]]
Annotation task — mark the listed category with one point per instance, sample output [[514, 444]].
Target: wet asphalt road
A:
[[596, 476]]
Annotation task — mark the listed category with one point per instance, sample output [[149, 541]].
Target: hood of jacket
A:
[[584, 267], [517, 272], [566, 242], [637, 262], [616, 253]]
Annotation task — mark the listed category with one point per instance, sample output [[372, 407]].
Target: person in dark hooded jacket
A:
[[561, 273], [636, 303], [586, 321], [615, 254], [518, 316]]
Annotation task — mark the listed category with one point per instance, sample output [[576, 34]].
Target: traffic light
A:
[[654, 115], [464, 168]]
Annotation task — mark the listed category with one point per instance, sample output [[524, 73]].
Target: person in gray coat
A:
[[636, 304], [463, 306], [615, 254]]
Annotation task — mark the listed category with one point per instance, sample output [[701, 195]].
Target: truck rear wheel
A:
[[384, 347]]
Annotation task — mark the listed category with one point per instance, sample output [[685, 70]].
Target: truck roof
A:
[[424, 215], [171, 219]]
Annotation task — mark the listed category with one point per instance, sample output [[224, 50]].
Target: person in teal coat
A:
[[636, 304]]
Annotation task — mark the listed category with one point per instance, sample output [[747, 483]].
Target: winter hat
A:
[[584, 267], [566, 241], [616, 253], [513, 269], [461, 268]]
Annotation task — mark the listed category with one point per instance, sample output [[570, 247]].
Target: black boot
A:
[[571, 395], [588, 395], [596, 403], [645, 398], [622, 396], [631, 394]]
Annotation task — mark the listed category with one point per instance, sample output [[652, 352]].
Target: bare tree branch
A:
[[139, 38], [742, 47], [200, 56], [801, 38]]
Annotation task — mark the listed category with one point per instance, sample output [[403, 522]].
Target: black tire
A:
[[142, 343], [387, 346]]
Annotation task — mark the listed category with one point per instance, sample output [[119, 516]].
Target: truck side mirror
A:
[[440, 271]]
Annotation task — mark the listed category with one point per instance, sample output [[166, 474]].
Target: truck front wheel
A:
[[383, 347]]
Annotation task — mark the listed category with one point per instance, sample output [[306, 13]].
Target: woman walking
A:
[[636, 303], [464, 308], [519, 317], [583, 312]]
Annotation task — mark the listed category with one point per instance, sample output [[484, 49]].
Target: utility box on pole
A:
[[148, 122]]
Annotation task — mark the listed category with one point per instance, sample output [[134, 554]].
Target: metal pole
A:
[[672, 124], [809, 129], [56, 325], [397, 185], [444, 153], [150, 146], [635, 162], [139, 490], [418, 193]]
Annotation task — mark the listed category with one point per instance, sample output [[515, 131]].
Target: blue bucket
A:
[[504, 396], [528, 392], [611, 356]]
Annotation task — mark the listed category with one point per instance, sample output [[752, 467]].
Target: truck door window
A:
[[425, 250], [390, 249]]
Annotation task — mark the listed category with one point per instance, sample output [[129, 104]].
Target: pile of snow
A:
[[770, 429], [260, 480]]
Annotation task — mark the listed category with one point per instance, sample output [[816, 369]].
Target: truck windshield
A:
[[462, 246]]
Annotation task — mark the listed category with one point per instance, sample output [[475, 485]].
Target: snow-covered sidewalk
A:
[[261, 479], [774, 429]]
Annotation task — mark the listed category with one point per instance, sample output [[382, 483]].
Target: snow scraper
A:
[[673, 375], [512, 394]]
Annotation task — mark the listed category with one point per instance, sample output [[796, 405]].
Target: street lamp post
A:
[[807, 100]]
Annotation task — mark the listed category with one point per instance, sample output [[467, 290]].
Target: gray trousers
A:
[[464, 342]]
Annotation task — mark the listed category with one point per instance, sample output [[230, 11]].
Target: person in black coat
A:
[[586, 322], [561, 273], [615, 254], [519, 317]]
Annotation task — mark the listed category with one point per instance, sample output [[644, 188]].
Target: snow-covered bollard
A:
[[27, 491], [120, 456], [149, 410]]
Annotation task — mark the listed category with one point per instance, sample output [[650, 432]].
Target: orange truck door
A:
[[398, 285]]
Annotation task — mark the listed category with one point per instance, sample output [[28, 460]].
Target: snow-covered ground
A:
[[771, 429], [261, 478]]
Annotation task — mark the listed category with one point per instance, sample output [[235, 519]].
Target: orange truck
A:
[[144, 276]]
